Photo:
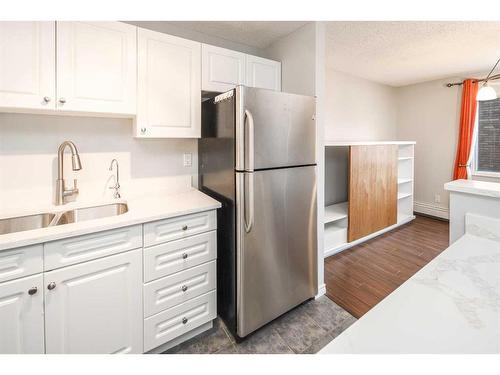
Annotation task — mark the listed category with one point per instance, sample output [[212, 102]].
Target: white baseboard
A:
[[321, 291], [431, 209]]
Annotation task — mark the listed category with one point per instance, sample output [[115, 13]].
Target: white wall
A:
[[358, 109], [28, 159], [429, 113], [297, 53]]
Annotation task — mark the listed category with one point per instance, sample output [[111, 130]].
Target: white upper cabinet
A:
[[169, 89], [96, 306], [21, 316], [263, 73], [96, 67], [222, 69], [27, 65]]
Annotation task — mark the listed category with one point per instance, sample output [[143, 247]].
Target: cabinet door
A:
[[21, 316], [96, 67], [95, 307], [263, 73], [169, 92], [373, 189], [27, 65], [222, 69]]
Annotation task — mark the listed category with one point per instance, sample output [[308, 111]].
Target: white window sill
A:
[[486, 174]]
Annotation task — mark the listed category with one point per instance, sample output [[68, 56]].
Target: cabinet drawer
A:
[[79, 249], [178, 227], [180, 287], [175, 256], [19, 262], [179, 320]]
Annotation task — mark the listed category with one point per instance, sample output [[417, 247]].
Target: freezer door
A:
[[274, 129], [276, 243]]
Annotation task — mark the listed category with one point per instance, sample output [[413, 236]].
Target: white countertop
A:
[[140, 210], [452, 305], [489, 189], [368, 143]]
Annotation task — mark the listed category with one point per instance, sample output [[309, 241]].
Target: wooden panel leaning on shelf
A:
[[373, 189]]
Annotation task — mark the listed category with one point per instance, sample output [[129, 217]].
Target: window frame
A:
[[473, 159]]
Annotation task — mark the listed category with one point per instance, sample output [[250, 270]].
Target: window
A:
[[487, 148]]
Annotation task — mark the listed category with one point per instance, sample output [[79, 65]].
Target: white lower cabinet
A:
[[21, 316], [176, 321], [104, 292], [95, 307]]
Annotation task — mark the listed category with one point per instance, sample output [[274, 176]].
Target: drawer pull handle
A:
[[51, 286], [184, 227], [184, 288], [184, 320], [184, 256], [32, 291]]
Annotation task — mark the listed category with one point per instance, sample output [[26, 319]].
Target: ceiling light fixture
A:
[[487, 92]]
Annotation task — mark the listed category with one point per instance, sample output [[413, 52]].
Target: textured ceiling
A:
[[403, 53], [259, 34]]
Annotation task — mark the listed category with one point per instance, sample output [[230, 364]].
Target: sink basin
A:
[[22, 223], [29, 222], [91, 213]]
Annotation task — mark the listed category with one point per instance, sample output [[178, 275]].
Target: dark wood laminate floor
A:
[[359, 278]]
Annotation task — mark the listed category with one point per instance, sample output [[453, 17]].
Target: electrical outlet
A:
[[188, 160], [437, 198]]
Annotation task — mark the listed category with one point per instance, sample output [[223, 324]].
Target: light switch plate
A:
[[188, 160]]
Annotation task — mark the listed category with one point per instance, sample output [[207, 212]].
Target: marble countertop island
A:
[[140, 210], [452, 305]]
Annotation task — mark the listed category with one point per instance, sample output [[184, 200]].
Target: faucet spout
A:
[[76, 164]]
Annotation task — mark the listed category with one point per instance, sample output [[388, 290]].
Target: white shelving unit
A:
[[406, 153], [336, 179]]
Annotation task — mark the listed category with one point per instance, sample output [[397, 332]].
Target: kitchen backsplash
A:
[[28, 159]]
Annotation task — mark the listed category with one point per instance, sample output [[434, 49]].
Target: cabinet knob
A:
[[184, 227], [184, 288], [62, 100], [32, 291], [51, 286], [143, 130], [184, 256], [46, 99], [184, 320]]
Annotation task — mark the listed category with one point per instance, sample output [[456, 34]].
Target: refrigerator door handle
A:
[[249, 141], [248, 197]]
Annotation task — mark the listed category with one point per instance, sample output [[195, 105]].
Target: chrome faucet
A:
[[61, 191], [117, 179]]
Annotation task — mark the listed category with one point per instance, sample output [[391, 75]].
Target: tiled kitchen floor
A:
[[305, 329]]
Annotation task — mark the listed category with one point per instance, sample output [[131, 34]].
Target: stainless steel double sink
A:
[[50, 219]]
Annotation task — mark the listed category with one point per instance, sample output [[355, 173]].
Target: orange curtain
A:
[[467, 121]]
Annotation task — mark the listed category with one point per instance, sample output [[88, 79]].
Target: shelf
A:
[[335, 236], [404, 180], [405, 158], [335, 212], [404, 195]]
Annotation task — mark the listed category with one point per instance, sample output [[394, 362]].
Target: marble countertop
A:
[[140, 210], [452, 305], [488, 189]]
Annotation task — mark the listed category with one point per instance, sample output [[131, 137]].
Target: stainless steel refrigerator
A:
[[257, 156]]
